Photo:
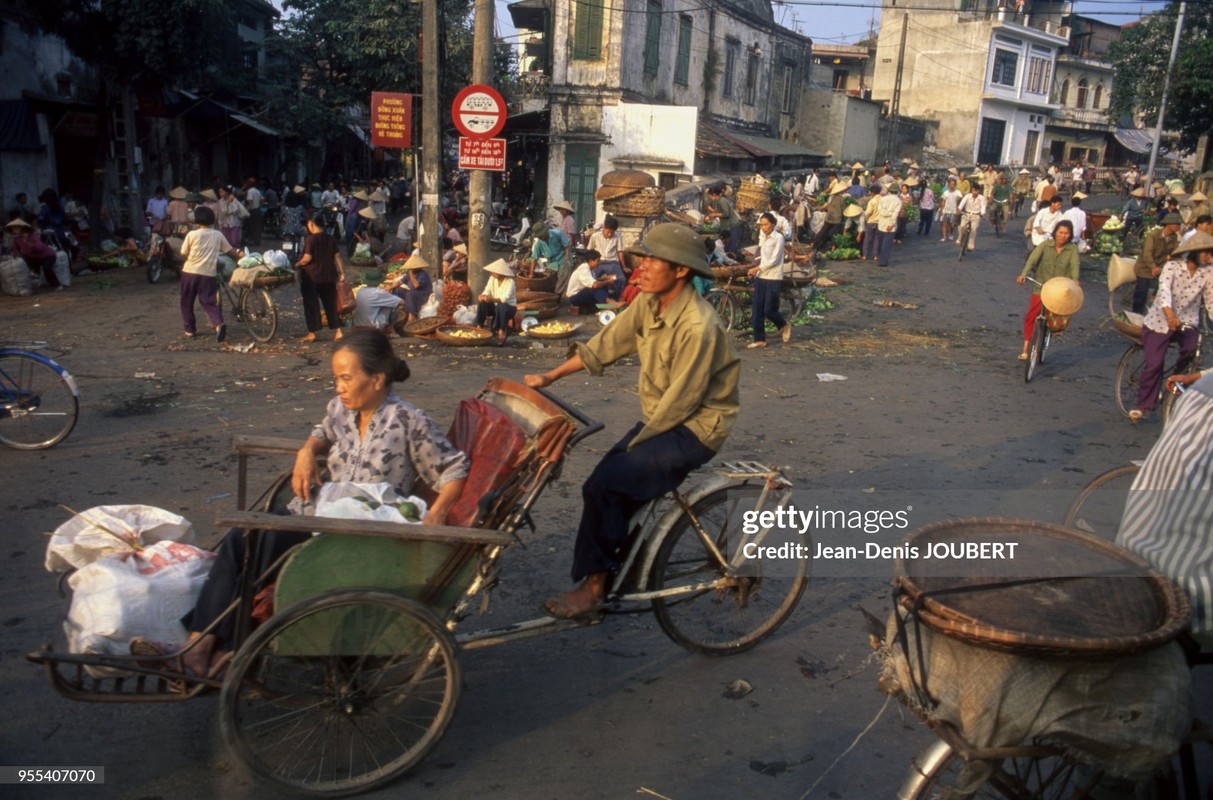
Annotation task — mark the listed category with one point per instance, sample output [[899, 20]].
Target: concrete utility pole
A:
[[895, 105], [1166, 86], [431, 137], [480, 187]]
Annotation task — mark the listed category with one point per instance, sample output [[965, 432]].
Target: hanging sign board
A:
[[391, 119], [479, 111], [482, 154]]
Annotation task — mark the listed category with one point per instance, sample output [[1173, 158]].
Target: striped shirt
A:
[[1168, 517]]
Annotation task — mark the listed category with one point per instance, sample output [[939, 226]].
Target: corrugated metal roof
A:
[[760, 145]]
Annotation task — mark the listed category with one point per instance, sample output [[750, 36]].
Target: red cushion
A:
[[494, 443]]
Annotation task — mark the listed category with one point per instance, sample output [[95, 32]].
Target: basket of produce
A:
[[800, 276], [623, 182], [419, 327], [754, 194], [647, 202], [554, 330], [1081, 597], [463, 335], [279, 277], [538, 282], [1129, 324]]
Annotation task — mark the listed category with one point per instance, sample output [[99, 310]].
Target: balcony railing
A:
[[1082, 116]]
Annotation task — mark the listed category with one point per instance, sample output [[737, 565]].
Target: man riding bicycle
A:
[[972, 208], [1001, 209], [688, 397]]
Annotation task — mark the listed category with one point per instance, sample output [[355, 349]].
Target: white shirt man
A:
[[252, 198], [330, 196], [812, 184], [1079, 219], [951, 199], [406, 231], [1046, 219]]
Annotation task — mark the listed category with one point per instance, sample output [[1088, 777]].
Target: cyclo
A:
[[1062, 684], [355, 676]]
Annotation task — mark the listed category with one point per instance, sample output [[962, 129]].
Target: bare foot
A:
[[197, 657], [586, 599], [337, 335]]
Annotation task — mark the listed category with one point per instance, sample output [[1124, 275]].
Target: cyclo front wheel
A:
[[342, 692], [38, 403], [258, 314], [721, 613], [940, 772]]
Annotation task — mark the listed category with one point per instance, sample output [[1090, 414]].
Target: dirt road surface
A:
[[933, 416]]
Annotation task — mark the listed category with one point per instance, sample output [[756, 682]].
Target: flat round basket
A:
[[1064, 594], [270, 281], [647, 202], [538, 331], [539, 311], [457, 335], [420, 327], [544, 282], [541, 298]]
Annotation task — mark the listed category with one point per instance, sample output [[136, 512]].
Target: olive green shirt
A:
[[728, 217], [688, 367], [1047, 263], [1155, 251]]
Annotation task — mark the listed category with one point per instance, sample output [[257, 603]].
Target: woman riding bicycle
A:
[[1051, 258], [1175, 315]]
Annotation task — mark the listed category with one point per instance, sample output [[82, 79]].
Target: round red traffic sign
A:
[[479, 111]]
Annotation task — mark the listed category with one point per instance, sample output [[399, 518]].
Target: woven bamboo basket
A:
[[647, 202], [444, 335], [529, 298], [271, 281], [753, 194], [544, 282], [539, 334], [1083, 597], [420, 327]]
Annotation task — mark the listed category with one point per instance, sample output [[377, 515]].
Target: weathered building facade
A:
[[672, 87], [984, 74]]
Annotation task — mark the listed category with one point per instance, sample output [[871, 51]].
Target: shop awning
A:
[[255, 125], [1136, 139], [528, 15], [19, 127]]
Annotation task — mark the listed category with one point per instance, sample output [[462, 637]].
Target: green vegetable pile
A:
[[1108, 243], [842, 254]]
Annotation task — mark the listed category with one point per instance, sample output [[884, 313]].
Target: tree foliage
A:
[[334, 53], [1141, 58], [133, 41]]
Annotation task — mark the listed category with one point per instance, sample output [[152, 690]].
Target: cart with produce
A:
[[354, 674]]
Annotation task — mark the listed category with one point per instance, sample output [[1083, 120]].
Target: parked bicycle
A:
[[733, 299], [39, 400]]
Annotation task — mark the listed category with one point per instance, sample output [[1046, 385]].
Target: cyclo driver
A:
[[688, 400]]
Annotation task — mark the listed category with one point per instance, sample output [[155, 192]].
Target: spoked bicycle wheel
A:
[[342, 692], [1036, 349], [726, 306], [258, 313], [939, 773], [724, 614], [1109, 491], [155, 268], [1128, 378], [38, 403], [963, 241], [791, 302]]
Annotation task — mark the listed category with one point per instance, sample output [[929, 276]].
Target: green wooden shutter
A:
[[587, 29], [682, 72], [581, 179]]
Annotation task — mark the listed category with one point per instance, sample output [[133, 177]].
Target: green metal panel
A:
[[324, 563]]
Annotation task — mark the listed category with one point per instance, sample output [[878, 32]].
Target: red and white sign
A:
[[391, 119], [479, 111], [482, 154]]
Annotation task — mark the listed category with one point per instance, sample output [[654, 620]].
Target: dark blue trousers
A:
[[589, 298], [621, 484], [766, 306]]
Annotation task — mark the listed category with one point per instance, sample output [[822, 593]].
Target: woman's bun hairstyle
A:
[[374, 350]]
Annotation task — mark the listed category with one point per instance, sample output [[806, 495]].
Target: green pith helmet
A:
[[675, 243]]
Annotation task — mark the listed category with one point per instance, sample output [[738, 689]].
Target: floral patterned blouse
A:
[[402, 444]]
